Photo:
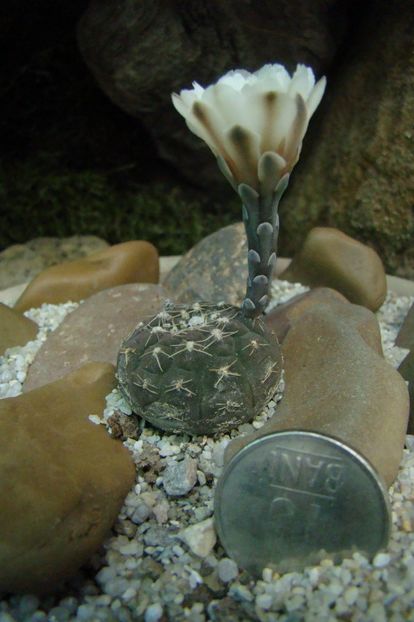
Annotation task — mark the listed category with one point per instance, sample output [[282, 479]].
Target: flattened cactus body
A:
[[200, 369]]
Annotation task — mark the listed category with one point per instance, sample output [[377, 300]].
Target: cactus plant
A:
[[206, 368], [199, 369]]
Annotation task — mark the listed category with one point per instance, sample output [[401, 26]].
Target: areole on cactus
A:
[[204, 368]]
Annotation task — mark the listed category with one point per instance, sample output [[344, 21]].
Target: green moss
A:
[[37, 201]]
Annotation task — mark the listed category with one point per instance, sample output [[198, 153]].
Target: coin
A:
[[292, 498]]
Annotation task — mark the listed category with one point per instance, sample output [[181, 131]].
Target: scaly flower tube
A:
[[255, 123]]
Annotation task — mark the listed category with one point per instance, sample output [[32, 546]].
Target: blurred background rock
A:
[[91, 145]]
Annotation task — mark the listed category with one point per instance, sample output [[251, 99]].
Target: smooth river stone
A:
[[330, 368], [281, 319], [94, 331], [406, 369], [62, 480], [129, 262], [214, 270], [405, 338], [15, 328], [329, 258]]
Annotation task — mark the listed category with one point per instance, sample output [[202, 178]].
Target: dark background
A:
[[73, 162]]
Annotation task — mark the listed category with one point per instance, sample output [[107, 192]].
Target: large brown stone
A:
[[62, 480], [357, 174], [94, 331], [125, 44], [329, 258], [214, 270], [281, 319], [336, 384], [15, 328], [129, 262]]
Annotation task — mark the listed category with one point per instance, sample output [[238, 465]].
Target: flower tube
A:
[[254, 123]]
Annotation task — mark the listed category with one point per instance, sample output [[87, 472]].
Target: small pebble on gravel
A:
[[180, 477], [227, 570]]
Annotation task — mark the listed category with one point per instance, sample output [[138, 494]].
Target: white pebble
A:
[[200, 537], [351, 595], [264, 601], [381, 560], [153, 613], [227, 570], [132, 548]]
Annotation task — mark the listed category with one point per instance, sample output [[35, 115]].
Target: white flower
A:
[[245, 115]]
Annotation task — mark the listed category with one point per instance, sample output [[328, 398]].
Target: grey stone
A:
[[405, 338], [141, 513], [227, 570], [58, 614], [214, 270], [21, 262], [157, 536], [180, 477], [406, 369], [153, 613]]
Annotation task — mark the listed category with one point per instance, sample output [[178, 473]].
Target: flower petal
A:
[[316, 96], [227, 103], [244, 146], [235, 78], [296, 131], [302, 82], [273, 77], [182, 107], [279, 116], [211, 123]]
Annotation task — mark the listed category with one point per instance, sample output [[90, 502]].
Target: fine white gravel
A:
[[163, 562]]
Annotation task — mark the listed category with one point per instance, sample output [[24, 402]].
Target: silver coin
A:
[[290, 499]]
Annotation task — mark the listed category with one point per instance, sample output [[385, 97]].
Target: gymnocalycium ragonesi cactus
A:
[[202, 368]]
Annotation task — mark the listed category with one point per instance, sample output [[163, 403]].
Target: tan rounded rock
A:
[[337, 384], [129, 262], [15, 328], [281, 319], [62, 480], [329, 258]]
